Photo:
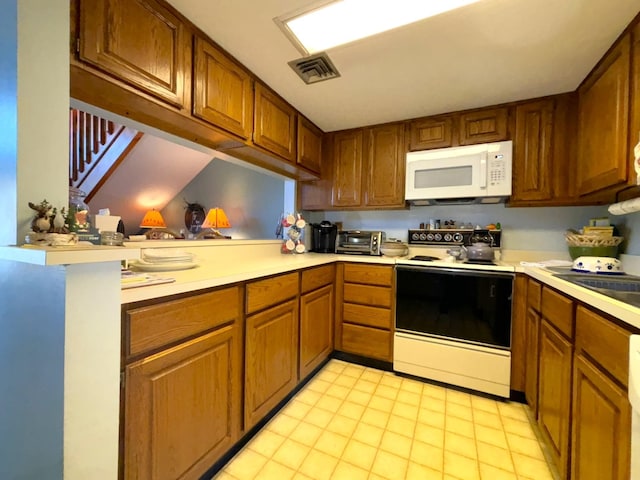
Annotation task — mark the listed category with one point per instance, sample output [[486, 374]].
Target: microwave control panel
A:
[[497, 169]]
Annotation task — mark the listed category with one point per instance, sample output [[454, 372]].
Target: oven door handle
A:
[[475, 272]]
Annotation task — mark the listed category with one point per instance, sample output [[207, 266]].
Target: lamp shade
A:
[[216, 218], [152, 219]]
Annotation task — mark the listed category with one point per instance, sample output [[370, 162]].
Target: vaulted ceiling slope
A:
[[487, 53]]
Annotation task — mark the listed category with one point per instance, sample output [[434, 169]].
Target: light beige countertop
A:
[[223, 264]]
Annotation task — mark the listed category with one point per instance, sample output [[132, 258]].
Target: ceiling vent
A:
[[315, 68]]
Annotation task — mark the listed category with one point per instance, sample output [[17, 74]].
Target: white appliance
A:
[[460, 175], [634, 399]]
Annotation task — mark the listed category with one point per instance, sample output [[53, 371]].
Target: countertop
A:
[[222, 266]]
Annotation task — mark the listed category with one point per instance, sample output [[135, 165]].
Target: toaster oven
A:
[[360, 242]]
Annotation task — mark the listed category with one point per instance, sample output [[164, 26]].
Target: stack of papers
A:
[[129, 279]]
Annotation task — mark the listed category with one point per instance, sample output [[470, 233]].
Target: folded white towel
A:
[[548, 263]]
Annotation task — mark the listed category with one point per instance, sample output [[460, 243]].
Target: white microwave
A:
[[460, 175]]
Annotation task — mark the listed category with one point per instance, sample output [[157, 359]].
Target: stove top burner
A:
[[424, 258], [480, 262]]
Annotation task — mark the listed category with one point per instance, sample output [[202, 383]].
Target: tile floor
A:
[[352, 422]]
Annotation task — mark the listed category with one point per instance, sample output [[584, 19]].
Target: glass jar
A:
[[79, 213]]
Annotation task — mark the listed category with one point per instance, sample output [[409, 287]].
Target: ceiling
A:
[[487, 53]]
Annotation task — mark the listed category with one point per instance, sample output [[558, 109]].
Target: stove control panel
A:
[[448, 236]]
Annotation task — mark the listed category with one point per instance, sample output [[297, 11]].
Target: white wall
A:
[[630, 229], [252, 200], [34, 152], [524, 228]]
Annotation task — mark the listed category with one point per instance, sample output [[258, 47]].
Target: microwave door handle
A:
[[483, 170]]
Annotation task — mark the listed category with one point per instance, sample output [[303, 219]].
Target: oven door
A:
[[470, 306]]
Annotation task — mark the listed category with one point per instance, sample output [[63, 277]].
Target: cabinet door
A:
[[532, 159], [554, 400], [182, 407], [600, 425], [429, 133], [634, 114], [271, 360], [347, 169], [385, 166], [309, 145], [603, 123], [275, 124], [483, 126], [316, 328], [531, 361], [223, 93], [138, 41]]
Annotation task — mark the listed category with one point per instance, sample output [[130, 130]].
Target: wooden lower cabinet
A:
[[316, 328], [364, 312], [554, 400], [600, 426], [532, 328], [183, 407], [271, 359]]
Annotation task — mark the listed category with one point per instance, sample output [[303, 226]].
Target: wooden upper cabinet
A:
[[532, 152], [634, 114], [274, 123], [603, 162], [223, 93], [347, 169], [385, 166], [483, 126], [309, 145], [138, 41], [434, 132]]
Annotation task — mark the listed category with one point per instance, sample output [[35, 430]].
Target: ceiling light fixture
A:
[[327, 25]]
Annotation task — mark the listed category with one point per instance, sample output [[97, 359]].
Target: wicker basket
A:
[[578, 240]]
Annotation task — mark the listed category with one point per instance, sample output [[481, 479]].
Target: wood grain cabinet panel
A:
[[154, 326], [603, 123], [138, 41], [519, 333], [347, 169], [381, 275], [604, 342], [559, 311], [271, 291], [223, 90], [482, 126], [554, 399], [271, 359], [368, 342], [532, 327], [432, 132], [274, 123], [385, 166], [532, 152], [634, 99], [600, 426], [309, 153], [182, 407], [316, 328]]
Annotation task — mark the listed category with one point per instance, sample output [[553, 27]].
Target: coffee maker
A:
[[324, 237]]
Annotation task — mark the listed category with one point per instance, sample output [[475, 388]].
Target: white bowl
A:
[[601, 265], [394, 249]]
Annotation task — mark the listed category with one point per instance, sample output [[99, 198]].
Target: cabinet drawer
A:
[[265, 293], [369, 274], [366, 315], [317, 277], [369, 342], [605, 342], [558, 310], [534, 294], [367, 295], [149, 328]]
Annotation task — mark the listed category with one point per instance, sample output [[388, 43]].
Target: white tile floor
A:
[[352, 422]]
